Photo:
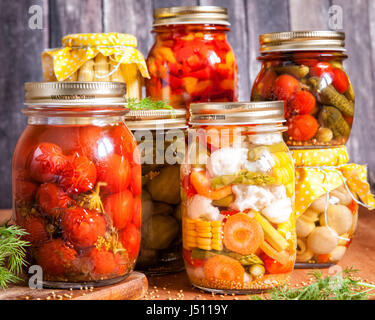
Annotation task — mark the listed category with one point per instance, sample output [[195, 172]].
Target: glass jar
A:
[[161, 138], [238, 198], [77, 184], [328, 189], [97, 57], [305, 69], [191, 60]]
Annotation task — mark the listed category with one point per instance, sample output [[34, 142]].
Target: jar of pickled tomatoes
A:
[[237, 187], [77, 183], [192, 60], [161, 135], [305, 69]]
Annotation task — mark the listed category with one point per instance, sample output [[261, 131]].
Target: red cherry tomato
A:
[[136, 180], [82, 227], [56, 258], [90, 137], [274, 267], [301, 102], [130, 238], [80, 177], [47, 162], [190, 261], [137, 216], [302, 127], [51, 198], [320, 68], [124, 143], [24, 190], [36, 229], [340, 80], [266, 82], [114, 170], [284, 86], [103, 261], [120, 207]]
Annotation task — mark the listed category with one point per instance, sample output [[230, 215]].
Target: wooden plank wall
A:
[[20, 50]]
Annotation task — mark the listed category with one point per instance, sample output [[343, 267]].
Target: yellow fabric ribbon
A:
[[79, 48]]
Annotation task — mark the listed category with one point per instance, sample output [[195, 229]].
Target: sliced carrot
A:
[[202, 185], [224, 269], [242, 234], [283, 256], [324, 258]]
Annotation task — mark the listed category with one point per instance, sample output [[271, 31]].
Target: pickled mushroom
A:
[[343, 195], [303, 254], [166, 186], [310, 216], [322, 240], [304, 228], [160, 232], [337, 253], [319, 204], [339, 218]]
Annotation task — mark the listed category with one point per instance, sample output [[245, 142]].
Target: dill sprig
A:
[[147, 104], [341, 286], [12, 254]]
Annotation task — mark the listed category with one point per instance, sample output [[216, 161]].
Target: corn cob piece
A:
[[133, 81], [284, 175], [86, 72], [101, 67], [205, 235]]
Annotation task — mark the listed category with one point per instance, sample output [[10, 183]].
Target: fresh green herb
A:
[[147, 104], [12, 254], [341, 286]]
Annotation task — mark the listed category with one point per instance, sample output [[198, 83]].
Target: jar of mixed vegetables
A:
[[305, 69], [192, 60], [161, 137], [237, 186], [77, 183], [328, 193], [97, 57]]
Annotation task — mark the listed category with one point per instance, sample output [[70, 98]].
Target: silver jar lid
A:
[[75, 93], [191, 15], [302, 40], [156, 119], [236, 113]]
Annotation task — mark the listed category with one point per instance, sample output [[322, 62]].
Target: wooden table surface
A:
[[361, 256]]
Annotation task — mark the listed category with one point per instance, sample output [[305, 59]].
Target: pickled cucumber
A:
[[225, 202], [160, 232], [166, 186], [332, 118], [298, 71], [330, 96]]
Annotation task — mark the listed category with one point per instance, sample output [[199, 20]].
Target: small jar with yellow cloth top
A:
[[97, 57], [329, 191]]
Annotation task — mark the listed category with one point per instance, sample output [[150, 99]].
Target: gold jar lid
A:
[[191, 15], [235, 113], [75, 93], [302, 40], [156, 119]]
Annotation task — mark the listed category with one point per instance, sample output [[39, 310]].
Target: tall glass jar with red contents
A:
[[77, 183], [192, 60], [305, 69]]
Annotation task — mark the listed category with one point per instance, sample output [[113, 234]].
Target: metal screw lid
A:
[[75, 93], [302, 40], [191, 15], [235, 113], [153, 119]]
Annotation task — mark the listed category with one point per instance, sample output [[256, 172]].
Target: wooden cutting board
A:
[[132, 288]]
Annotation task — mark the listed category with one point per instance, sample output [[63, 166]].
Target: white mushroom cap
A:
[[322, 240]]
